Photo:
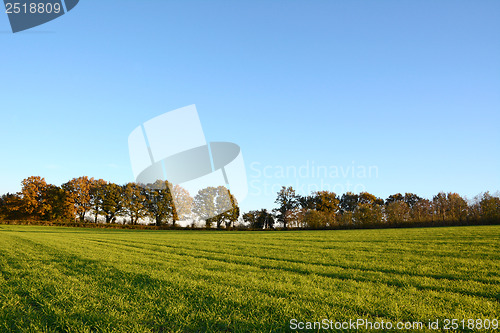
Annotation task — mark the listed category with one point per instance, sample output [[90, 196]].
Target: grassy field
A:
[[90, 280]]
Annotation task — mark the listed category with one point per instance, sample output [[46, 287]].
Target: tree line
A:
[[92, 200], [324, 209], [87, 199]]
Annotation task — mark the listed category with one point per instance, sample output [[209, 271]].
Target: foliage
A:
[[58, 207], [259, 219], [319, 219], [367, 214], [489, 207], [183, 202], [112, 201], [96, 192], [348, 202], [12, 207], [324, 209], [33, 194], [165, 203], [160, 203], [78, 194], [216, 205], [397, 212], [287, 201], [230, 216], [134, 202]]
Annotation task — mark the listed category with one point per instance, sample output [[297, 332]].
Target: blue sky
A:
[[410, 89]]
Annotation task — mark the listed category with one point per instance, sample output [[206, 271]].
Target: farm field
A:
[[56, 279]]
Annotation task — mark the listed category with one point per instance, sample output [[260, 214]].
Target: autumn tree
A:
[[366, 214], [394, 198], [58, 207], [450, 207], [368, 198], [396, 209], [348, 202], [216, 204], [363, 208], [422, 211], [411, 199], [251, 217], [397, 212], [112, 201], [295, 217], [306, 201], [11, 207], [345, 219], [287, 201], [474, 211], [204, 204], [319, 210], [490, 208], [230, 215], [134, 202], [326, 201], [97, 196], [458, 208], [259, 219], [42, 201], [160, 203], [183, 202], [314, 219], [33, 196], [441, 206], [78, 194]]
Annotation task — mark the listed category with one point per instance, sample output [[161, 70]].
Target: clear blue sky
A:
[[409, 88]]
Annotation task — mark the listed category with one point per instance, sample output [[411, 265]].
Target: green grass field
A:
[[93, 280]]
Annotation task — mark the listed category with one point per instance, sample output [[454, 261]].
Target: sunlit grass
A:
[[80, 280]]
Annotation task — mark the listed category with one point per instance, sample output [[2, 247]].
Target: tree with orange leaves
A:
[[78, 194]]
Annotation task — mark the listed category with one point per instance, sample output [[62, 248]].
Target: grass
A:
[[96, 280]]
